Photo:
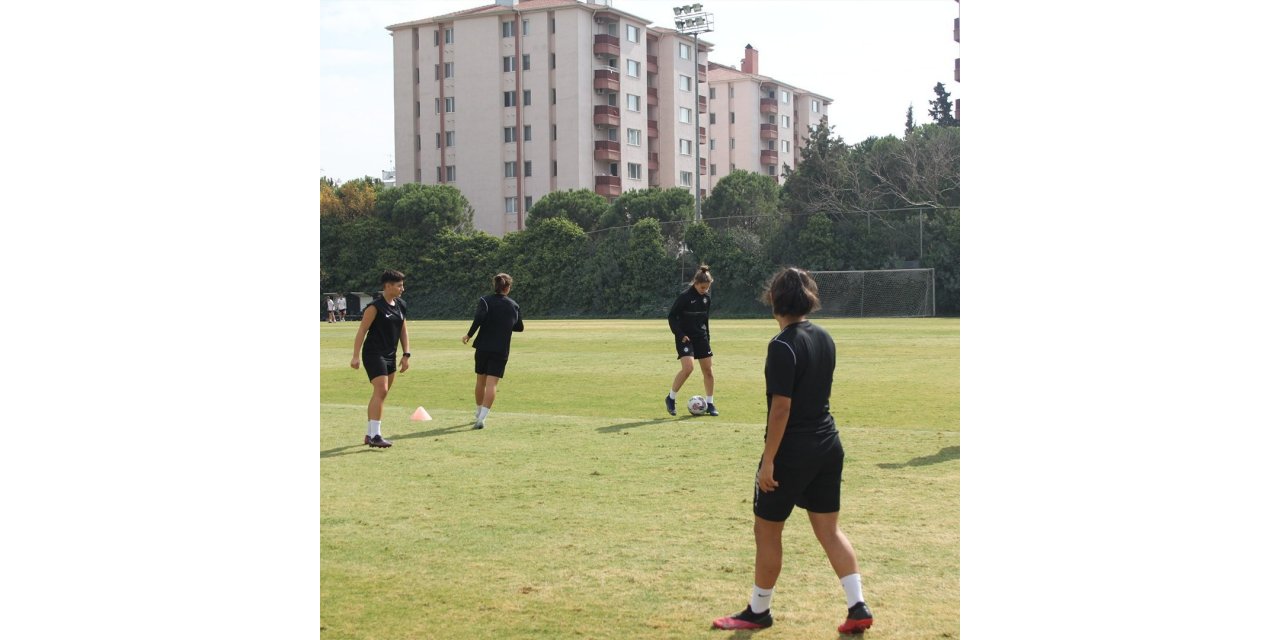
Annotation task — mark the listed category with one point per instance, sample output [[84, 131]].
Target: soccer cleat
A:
[[859, 619], [671, 405], [479, 425], [746, 619], [711, 409], [377, 441]]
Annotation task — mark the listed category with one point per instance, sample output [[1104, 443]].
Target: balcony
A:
[[654, 180], [606, 45], [702, 135], [607, 115], [702, 166], [702, 104], [702, 73], [653, 96], [612, 150], [652, 66], [653, 162], [957, 69], [767, 105], [653, 128], [767, 156], [609, 186], [608, 78], [767, 131]]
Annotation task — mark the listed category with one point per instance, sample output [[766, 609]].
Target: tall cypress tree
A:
[[940, 109]]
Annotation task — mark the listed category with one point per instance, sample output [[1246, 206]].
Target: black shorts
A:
[[808, 477], [376, 364], [697, 347], [490, 363]]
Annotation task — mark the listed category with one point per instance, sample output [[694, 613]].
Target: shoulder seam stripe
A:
[[793, 351]]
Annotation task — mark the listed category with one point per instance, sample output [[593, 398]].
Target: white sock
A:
[[711, 399], [375, 428], [478, 407], [760, 599], [672, 395], [484, 411], [852, 584]]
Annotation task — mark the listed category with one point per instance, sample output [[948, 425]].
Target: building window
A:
[[684, 51], [713, 118], [448, 35], [813, 106], [730, 91], [732, 167], [508, 98], [555, 168], [437, 105], [508, 29], [437, 141], [417, 142], [613, 136], [713, 169], [633, 170], [686, 114], [686, 178], [524, 62], [786, 146], [686, 147], [508, 134], [528, 132], [511, 205], [451, 173], [786, 122], [528, 203], [633, 102], [448, 105], [786, 96], [417, 108], [448, 138], [553, 61], [713, 93], [553, 95], [528, 97], [633, 137], [553, 132], [633, 33], [508, 64], [528, 168], [525, 28], [435, 42], [553, 25], [437, 72], [733, 143], [448, 69], [633, 68], [509, 169], [732, 118], [415, 75], [686, 83], [773, 169], [713, 144]]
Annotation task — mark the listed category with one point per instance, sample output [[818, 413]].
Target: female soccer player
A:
[[688, 320], [803, 459], [496, 317], [383, 324]]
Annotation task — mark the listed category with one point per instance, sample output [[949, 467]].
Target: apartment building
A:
[[756, 123], [511, 101]]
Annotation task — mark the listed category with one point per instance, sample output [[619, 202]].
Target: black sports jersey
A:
[[496, 317], [800, 364], [384, 333], [689, 315]]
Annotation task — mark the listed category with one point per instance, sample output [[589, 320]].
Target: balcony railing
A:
[[702, 166], [767, 131], [702, 104], [767, 105], [608, 150], [606, 45], [609, 186], [767, 156], [702, 73], [652, 64], [607, 78], [702, 135], [653, 95], [607, 114], [653, 128], [653, 162]]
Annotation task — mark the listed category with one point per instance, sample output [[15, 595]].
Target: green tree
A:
[[647, 271], [583, 207], [743, 199], [911, 121], [545, 260], [816, 237], [426, 210], [940, 108], [663, 205]]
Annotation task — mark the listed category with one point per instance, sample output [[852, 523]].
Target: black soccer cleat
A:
[[377, 441], [859, 619], [671, 405], [746, 619], [711, 409]]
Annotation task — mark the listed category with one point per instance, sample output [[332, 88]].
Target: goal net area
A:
[[884, 293]]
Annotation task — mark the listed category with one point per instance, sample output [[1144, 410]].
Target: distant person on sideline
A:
[[688, 319], [332, 305], [803, 459], [342, 307], [383, 325], [497, 316]]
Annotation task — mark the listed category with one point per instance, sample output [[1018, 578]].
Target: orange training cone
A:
[[420, 414]]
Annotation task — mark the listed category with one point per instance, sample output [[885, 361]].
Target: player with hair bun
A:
[[688, 320], [496, 317]]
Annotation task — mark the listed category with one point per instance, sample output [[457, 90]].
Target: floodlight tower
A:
[[691, 19]]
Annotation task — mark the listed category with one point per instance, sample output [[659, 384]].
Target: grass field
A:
[[584, 511]]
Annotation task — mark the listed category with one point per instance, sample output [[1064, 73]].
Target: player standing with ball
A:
[[803, 459], [688, 320], [383, 325]]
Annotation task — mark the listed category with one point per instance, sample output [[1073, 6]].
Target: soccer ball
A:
[[697, 405]]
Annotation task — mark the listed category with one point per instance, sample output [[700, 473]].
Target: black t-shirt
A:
[[800, 364], [689, 315], [496, 317], [384, 333]]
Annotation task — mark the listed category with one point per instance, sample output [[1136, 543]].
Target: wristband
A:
[[405, 354]]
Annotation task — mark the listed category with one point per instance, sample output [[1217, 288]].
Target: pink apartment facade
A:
[[511, 101]]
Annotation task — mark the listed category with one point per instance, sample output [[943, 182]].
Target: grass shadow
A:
[[342, 451], [614, 428], [458, 428], [944, 454]]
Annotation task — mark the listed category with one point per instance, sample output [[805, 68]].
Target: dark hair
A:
[[703, 276], [501, 282], [391, 275], [792, 292]]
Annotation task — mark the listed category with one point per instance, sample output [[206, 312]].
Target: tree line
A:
[[882, 203]]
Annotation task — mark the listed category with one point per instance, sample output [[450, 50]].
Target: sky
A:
[[892, 53]]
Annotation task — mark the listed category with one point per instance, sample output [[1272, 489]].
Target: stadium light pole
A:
[[691, 19]]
